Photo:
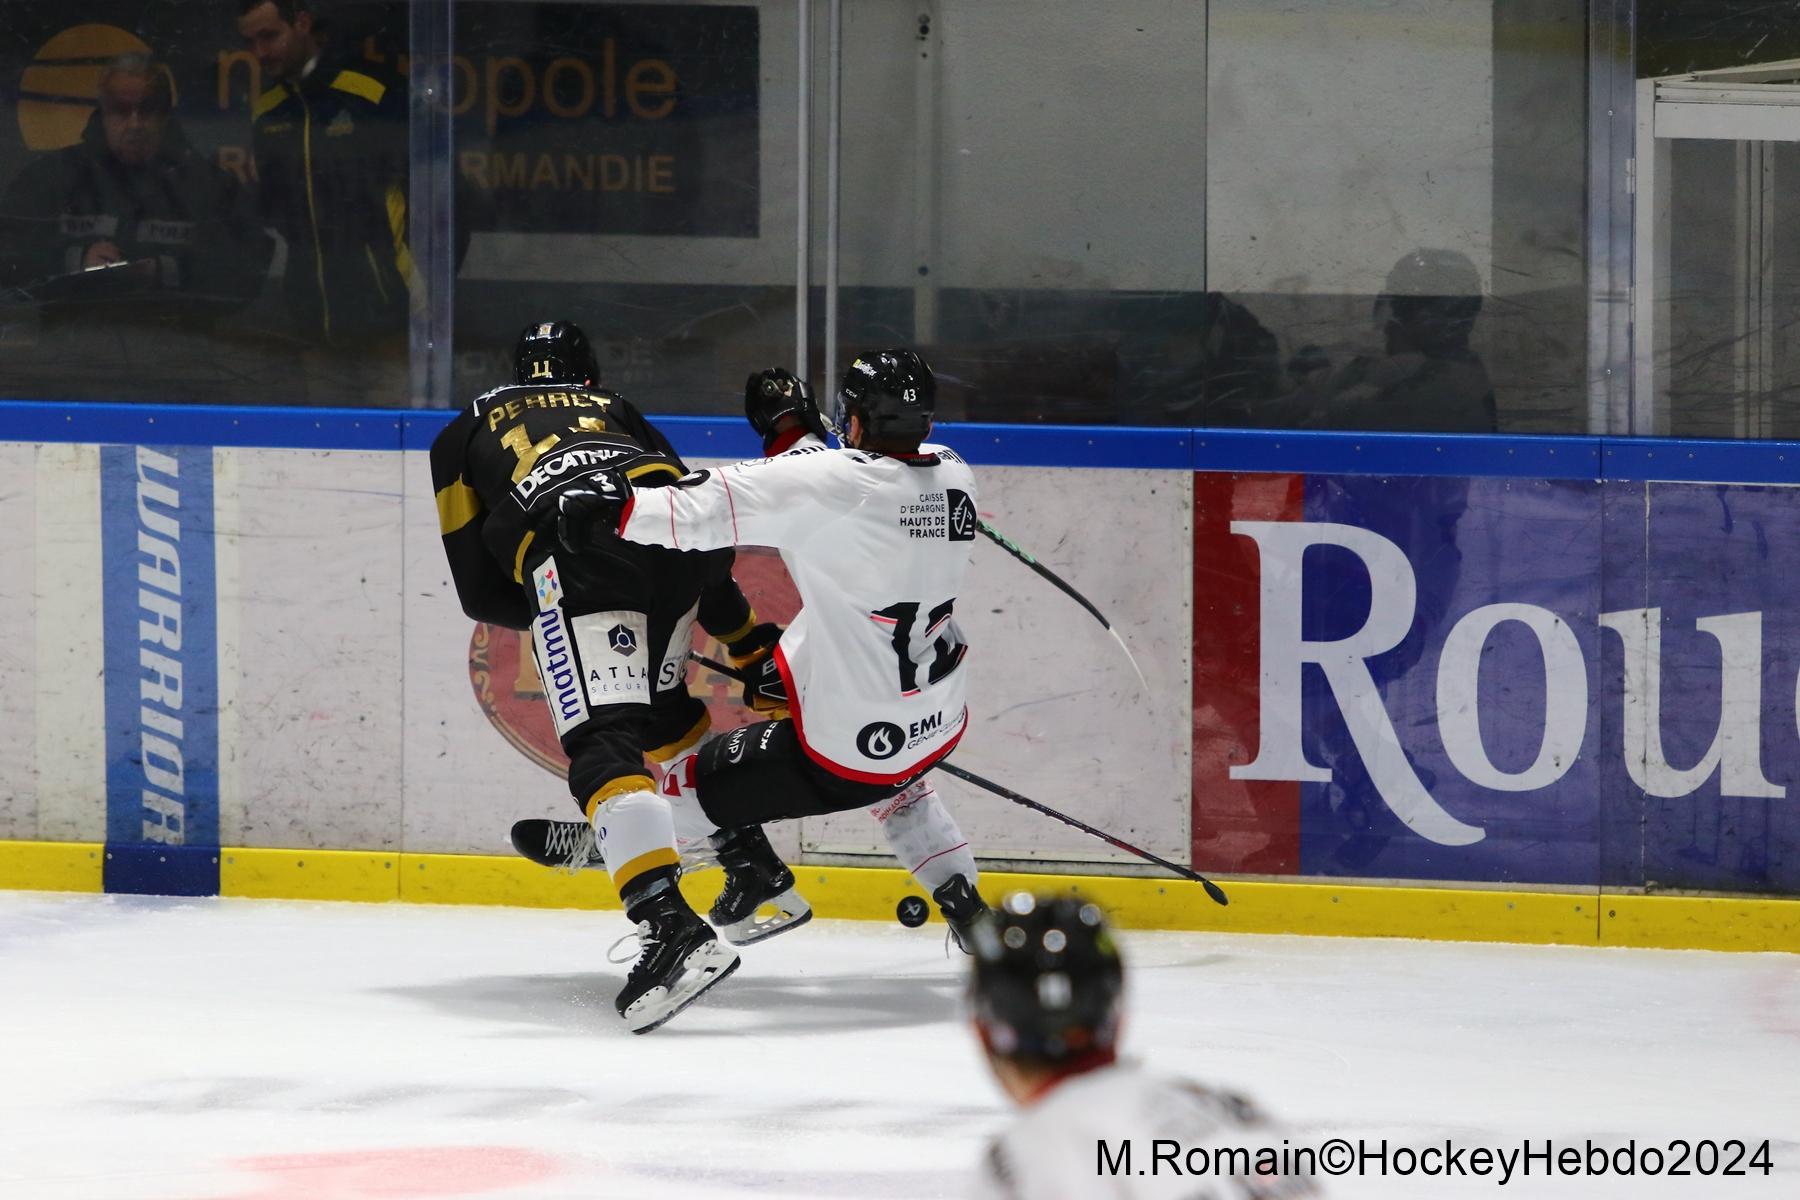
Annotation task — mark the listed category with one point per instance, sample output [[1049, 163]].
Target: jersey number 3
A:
[[945, 652]]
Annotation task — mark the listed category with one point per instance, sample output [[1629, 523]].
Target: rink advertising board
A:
[[1514, 680], [161, 676], [1520, 681]]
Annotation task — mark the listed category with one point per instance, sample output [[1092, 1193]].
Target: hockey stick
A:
[[1213, 891], [1025, 556], [1019, 552]]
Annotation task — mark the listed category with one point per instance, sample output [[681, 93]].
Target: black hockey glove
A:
[[754, 657], [587, 513], [773, 394]]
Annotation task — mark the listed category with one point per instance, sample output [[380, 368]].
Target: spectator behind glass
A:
[[132, 191], [330, 139], [1429, 381]]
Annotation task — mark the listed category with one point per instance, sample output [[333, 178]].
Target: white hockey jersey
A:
[[1098, 1134], [877, 546]]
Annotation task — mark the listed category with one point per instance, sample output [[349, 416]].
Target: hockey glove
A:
[[773, 394], [587, 513], [754, 657]]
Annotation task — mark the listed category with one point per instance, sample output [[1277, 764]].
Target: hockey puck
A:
[[912, 911]]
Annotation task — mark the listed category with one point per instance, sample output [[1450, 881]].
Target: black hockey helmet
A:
[[554, 352], [1047, 980], [1435, 295], [893, 392]]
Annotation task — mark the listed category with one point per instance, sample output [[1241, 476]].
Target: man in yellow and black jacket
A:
[[331, 159], [517, 476]]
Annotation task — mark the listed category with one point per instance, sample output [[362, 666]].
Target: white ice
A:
[[157, 1049]]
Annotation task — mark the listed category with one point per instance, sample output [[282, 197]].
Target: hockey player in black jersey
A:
[[611, 627]]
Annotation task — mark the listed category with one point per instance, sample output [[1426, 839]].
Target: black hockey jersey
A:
[[499, 467]]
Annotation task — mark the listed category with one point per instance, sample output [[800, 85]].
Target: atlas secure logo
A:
[[557, 663], [622, 640]]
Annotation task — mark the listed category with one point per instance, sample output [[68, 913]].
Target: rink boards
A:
[[1499, 663]]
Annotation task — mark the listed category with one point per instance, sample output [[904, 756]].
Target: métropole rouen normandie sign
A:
[[570, 118]]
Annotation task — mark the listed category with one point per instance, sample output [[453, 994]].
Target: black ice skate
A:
[[679, 958], [962, 906], [570, 846], [759, 899], [565, 845]]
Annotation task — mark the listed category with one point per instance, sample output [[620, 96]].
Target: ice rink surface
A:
[[157, 1049]]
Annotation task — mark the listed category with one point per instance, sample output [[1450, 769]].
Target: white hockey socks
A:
[[923, 835], [636, 835], [693, 828]]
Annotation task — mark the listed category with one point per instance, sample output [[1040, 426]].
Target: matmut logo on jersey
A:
[[1466, 678]]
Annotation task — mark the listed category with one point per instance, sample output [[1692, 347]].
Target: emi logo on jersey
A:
[[880, 739]]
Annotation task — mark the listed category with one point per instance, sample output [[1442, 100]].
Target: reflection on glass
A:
[[329, 136], [611, 160], [203, 201], [1189, 214], [1426, 377]]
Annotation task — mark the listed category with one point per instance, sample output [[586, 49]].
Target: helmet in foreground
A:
[[894, 394], [1047, 980], [554, 352]]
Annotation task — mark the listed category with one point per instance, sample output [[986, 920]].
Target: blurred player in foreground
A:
[[1045, 993], [611, 624], [876, 537]]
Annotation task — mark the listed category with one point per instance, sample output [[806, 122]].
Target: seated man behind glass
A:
[[135, 197], [1430, 379]]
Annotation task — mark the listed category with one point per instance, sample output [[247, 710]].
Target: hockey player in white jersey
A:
[[876, 537], [1045, 994]]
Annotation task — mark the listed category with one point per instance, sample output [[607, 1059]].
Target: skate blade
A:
[[786, 911], [705, 966]]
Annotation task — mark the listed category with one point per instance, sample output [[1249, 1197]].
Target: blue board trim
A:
[[146, 869], [1296, 451]]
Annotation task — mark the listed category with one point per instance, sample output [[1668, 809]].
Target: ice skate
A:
[[565, 845], [570, 846], [962, 907], [679, 958], [759, 899]]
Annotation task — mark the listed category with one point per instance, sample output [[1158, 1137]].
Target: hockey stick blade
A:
[[1019, 552], [1213, 890]]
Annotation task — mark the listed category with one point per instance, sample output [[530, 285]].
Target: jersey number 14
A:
[[945, 652]]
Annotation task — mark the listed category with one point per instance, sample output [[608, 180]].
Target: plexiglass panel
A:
[[628, 167]]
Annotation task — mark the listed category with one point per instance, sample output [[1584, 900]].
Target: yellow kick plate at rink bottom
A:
[[866, 893]]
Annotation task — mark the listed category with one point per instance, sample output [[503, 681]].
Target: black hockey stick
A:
[[1023, 555], [1213, 890]]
